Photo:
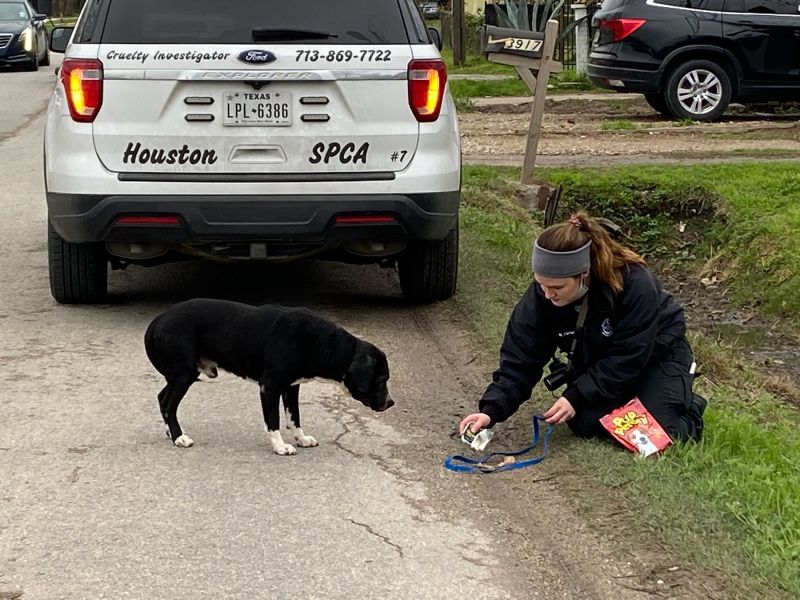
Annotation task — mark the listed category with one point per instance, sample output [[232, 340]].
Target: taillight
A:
[[621, 28], [426, 81], [83, 84]]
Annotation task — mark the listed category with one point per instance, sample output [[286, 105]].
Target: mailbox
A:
[[512, 41]]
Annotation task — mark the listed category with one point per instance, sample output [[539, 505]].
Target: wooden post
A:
[[446, 22], [459, 41], [533, 67], [539, 96]]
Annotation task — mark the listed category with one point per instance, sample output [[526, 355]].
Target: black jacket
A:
[[621, 335]]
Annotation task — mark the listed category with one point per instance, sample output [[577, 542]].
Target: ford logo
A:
[[257, 57]]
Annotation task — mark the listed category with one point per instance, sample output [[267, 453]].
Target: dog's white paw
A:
[[299, 436], [284, 449], [184, 441], [278, 445], [305, 441]]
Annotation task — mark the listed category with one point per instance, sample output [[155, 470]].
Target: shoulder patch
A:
[[606, 329]]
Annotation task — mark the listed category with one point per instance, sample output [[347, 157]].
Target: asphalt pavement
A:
[[96, 503]]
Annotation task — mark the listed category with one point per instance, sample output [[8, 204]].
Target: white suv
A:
[[233, 129]]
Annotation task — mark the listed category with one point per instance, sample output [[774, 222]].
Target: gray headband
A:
[[561, 264]]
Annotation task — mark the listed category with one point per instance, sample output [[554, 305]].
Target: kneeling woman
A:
[[596, 300]]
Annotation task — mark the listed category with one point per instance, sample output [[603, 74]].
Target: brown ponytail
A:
[[608, 255]]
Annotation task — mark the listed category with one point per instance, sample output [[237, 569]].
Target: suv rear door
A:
[[767, 37], [236, 86]]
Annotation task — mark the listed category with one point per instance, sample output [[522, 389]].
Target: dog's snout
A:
[[387, 404]]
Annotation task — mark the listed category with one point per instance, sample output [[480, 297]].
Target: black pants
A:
[[665, 389]]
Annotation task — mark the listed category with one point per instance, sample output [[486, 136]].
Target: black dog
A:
[[274, 345]]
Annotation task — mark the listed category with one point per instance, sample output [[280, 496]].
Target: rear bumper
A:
[[634, 80], [295, 218]]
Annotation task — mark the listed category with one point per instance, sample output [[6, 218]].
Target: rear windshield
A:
[[254, 21]]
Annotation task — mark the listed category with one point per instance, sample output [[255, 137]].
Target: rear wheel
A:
[[699, 90], [658, 103], [429, 270], [78, 272]]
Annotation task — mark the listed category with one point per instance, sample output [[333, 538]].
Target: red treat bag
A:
[[636, 429]]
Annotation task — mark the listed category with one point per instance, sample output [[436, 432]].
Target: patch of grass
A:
[[495, 230], [763, 248], [476, 64], [686, 122], [618, 125], [570, 75], [645, 204], [763, 134], [569, 80], [463, 104], [751, 215], [466, 88], [730, 505], [619, 105], [754, 153]]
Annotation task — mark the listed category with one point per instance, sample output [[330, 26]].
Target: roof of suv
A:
[[243, 22]]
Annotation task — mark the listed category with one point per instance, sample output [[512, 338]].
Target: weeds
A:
[[618, 125], [470, 88], [464, 105], [730, 505]]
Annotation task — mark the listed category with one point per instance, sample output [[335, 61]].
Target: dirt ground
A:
[[763, 340], [580, 130], [598, 129]]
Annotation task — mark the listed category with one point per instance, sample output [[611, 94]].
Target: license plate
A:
[[264, 109]]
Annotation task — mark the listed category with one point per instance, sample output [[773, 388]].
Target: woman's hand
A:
[[560, 412], [478, 420]]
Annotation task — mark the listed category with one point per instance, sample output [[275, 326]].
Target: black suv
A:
[[691, 58]]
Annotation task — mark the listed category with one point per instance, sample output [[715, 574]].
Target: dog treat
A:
[[476, 441], [636, 429]]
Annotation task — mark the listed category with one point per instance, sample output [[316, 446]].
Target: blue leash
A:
[[478, 465]]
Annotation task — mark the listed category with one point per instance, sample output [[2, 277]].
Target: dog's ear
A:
[[359, 374]]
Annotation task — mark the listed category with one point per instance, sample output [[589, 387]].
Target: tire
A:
[[78, 272], [699, 90], [34, 64], [658, 103], [429, 270], [45, 62]]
